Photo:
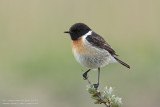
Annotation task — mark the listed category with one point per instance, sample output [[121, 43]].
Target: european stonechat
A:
[[91, 50]]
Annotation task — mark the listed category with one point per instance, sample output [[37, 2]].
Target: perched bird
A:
[[91, 50]]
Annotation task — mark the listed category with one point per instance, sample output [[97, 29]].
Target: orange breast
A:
[[78, 46]]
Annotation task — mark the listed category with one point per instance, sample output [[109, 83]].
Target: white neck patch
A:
[[89, 33]]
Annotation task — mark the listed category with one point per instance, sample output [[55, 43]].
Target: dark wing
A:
[[97, 41]]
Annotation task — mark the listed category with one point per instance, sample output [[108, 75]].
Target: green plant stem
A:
[[99, 95]]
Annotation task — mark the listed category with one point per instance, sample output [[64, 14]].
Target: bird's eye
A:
[[74, 30]]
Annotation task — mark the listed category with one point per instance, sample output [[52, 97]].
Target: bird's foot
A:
[[85, 76], [96, 86]]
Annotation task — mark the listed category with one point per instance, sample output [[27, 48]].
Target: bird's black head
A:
[[77, 30]]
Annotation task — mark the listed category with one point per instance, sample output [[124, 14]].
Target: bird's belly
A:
[[93, 59]]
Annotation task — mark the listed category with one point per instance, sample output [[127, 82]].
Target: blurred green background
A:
[[36, 61]]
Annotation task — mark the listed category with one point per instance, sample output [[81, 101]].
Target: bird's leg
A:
[[96, 85], [85, 74]]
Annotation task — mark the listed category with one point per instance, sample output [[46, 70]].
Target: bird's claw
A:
[[85, 76], [96, 86]]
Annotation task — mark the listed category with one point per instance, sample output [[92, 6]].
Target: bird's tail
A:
[[123, 63]]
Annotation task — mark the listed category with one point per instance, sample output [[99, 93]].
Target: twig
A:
[[99, 95], [106, 97]]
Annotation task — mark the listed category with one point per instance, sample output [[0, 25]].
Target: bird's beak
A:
[[66, 31]]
